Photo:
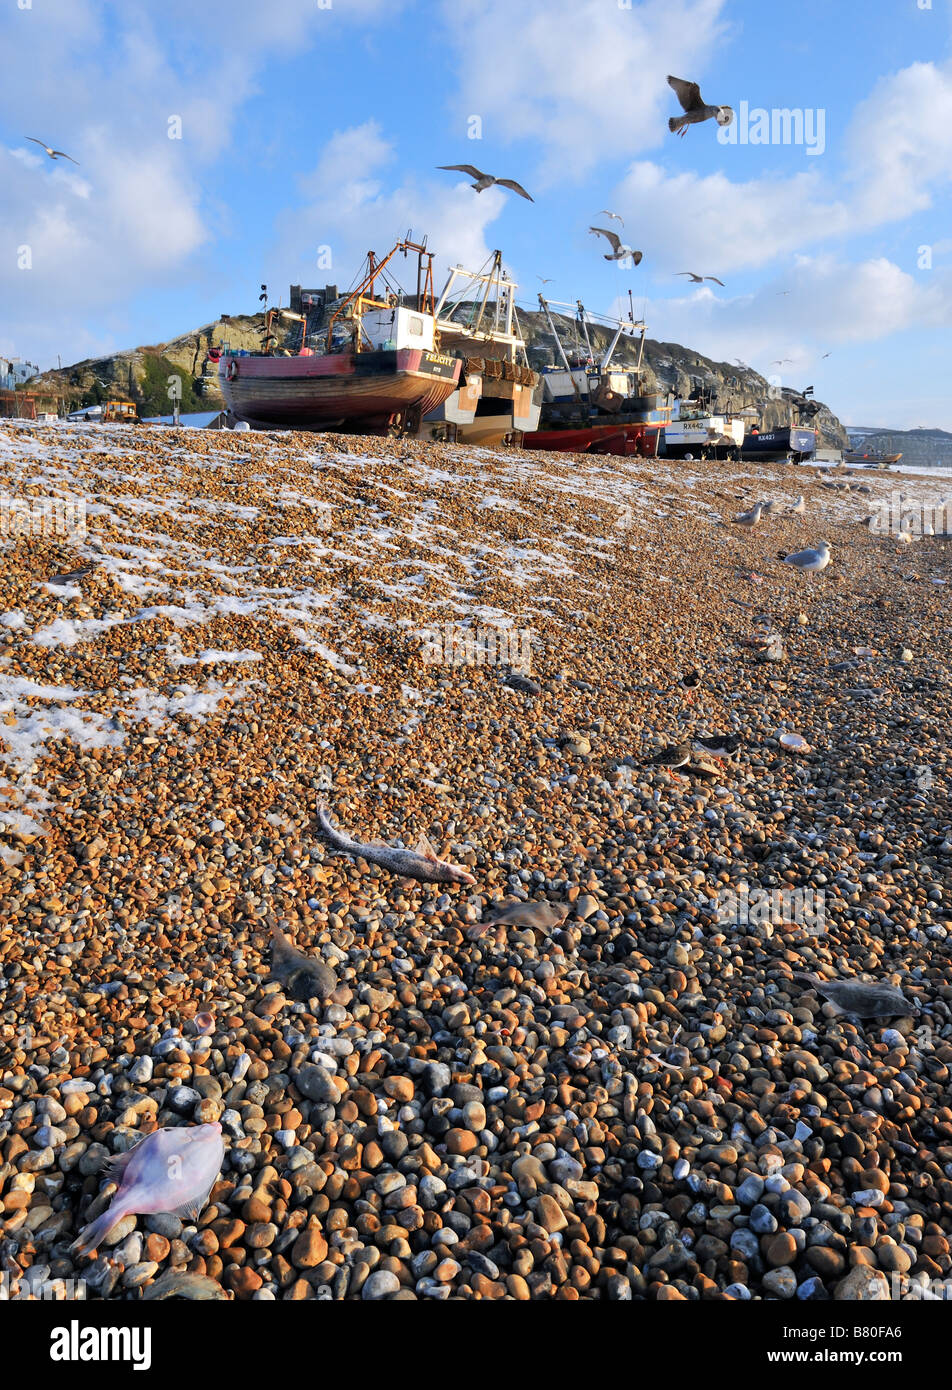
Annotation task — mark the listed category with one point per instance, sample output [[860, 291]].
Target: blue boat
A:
[[794, 444]]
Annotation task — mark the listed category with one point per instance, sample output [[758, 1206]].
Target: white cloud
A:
[[584, 79], [831, 304], [353, 205]]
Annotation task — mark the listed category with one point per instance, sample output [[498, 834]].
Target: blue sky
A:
[[308, 125]]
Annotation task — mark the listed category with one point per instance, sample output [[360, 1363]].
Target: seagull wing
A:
[[637, 257], [39, 142], [516, 188], [715, 279], [690, 274], [615, 241], [61, 154], [464, 169], [687, 93]]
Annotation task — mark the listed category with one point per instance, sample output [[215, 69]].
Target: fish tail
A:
[[279, 940], [92, 1236], [334, 837]]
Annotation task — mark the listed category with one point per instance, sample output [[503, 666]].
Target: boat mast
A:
[[584, 322], [544, 305], [358, 297]]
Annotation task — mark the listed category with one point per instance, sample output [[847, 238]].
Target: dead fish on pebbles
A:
[[171, 1171], [516, 681], [302, 977], [421, 863], [538, 916], [176, 1283], [862, 999]]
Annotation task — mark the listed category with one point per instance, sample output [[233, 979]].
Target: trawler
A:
[[590, 404], [497, 398], [373, 364]]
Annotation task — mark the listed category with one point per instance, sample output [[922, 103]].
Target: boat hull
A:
[[369, 389], [772, 445], [620, 439]]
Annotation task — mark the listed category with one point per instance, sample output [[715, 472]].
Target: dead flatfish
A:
[[302, 977], [421, 863], [861, 998], [523, 683], [198, 1288], [170, 1170], [540, 916]]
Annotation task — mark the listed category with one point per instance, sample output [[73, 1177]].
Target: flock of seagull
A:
[[695, 111]]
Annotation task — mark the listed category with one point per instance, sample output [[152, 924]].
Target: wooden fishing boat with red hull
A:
[[377, 369]]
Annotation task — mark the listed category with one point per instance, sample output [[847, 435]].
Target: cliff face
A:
[[140, 374], [681, 370]]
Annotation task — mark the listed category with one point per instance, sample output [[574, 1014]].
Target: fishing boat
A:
[[875, 460], [590, 403], [698, 432], [794, 444], [498, 395], [375, 365]]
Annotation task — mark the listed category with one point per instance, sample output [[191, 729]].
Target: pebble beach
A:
[[639, 1102]]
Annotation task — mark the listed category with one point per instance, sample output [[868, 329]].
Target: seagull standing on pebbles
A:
[[799, 506], [484, 181], [695, 108], [808, 561], [750, 519]]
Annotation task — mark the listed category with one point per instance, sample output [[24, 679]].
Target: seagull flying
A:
[[619, 249], [53, 154], [781, 292], [696, 110], [546, 279], [826, 354], [484, 181], [779, 361], [696, 279], [614, 215]]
